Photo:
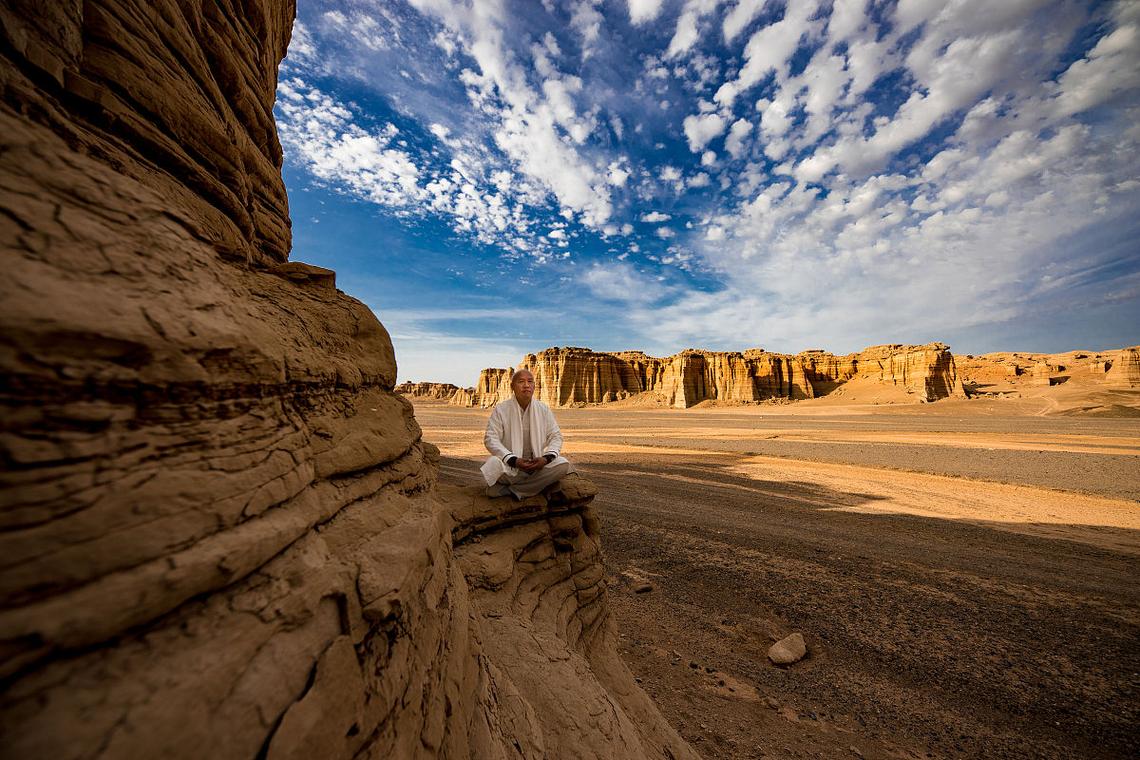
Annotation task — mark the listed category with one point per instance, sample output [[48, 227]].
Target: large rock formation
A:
[[493, 385], [1124, 369], [567, 376], [221, 534], [1009, 372], [429, 391], [538, 588]]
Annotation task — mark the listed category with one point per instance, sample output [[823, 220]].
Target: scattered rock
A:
[[643, 588], [855, 751], [772, 703], [788, 650]]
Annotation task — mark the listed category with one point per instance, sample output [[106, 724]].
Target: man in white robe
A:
[[525, 443]]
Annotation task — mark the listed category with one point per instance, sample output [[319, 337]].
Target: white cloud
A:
[[642, 11], [618, 174], [699, 130], [321, 133], [622, 282], [847, 17], [769, 49], [740, 16], [687, 25], [587, 20], [734, 143], [701, 179], [529, 126], [653, 217], [1112, 67]]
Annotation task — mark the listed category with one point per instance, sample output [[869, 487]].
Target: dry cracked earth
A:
[[966, 582]]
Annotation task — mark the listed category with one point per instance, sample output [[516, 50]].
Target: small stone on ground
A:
[[788, 650]]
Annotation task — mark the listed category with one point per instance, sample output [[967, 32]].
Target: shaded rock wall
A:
[[538, 587], [566, 376], [221, 537]]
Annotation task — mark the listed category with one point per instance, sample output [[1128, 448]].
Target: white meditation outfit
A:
[[511, 432]]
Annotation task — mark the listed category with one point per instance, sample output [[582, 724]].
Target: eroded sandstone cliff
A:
[[221, 532], [1124, 369], [493, 385], [566, 376], [429, 391], [1006, 372]]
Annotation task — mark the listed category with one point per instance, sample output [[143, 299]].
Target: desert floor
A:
[[966, 573]]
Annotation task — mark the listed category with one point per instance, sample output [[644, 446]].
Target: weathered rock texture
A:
[[1008, 371], [1124, 370], [220, 534], [538, 588], [493, 386], [430, 391], [566, 376]]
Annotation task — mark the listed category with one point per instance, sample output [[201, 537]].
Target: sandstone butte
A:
[[573, 376], [222, 531]]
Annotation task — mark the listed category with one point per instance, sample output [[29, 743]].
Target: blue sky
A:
[[493, 178]]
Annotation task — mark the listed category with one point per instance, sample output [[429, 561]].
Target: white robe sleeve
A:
[[553, 442], [493, 438]]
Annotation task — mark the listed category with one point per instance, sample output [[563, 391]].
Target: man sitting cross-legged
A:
[[525, 442]]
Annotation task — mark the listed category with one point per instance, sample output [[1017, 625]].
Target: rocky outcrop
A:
[[538, 588], [429, 391], [1124, 369], [1010, 371], [221, 531], [568, 376], [493, 386], [928, 372]]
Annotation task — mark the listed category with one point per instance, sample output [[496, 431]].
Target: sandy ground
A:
[[965, 573]]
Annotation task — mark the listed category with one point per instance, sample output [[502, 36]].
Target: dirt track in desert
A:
[[966, 583]]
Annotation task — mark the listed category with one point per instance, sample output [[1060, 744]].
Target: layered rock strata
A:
[[221, 534], [567, 376], [538, 588], [1124, 370], [1010, 370], [493, 385], [429, 391]]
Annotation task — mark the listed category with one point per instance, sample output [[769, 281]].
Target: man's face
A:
[[523, 386]]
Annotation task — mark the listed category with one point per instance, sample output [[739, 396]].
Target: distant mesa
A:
[[572, 376], [568, 376], [1011, 372], [433, 391]]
